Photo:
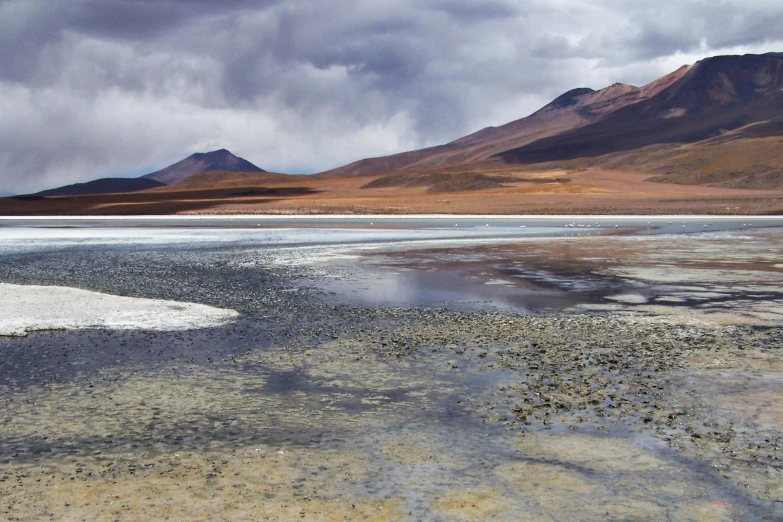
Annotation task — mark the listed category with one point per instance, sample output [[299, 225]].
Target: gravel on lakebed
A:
[[608, 373]]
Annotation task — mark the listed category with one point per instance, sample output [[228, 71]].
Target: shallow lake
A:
[[426, 368]]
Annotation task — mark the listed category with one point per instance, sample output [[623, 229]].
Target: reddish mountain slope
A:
[[713, 97], [574, 109], [740, 95]]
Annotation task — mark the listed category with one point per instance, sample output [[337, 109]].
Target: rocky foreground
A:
[[312, 410]]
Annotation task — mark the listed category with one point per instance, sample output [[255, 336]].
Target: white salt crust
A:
[[28, 308]]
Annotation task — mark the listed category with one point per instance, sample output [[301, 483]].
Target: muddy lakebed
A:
[[451, 369]]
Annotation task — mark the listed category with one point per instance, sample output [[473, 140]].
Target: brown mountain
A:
[[716, 95], [747, 158], [218, 160], [738, 95], [575, 108]]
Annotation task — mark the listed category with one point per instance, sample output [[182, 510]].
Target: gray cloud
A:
[[90, 88], [468, 11]]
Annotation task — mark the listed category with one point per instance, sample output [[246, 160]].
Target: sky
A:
[[96, 88]]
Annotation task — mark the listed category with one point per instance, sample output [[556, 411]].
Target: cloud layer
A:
[[91, 88]]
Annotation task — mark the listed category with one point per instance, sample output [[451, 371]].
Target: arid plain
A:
[[519, 191]]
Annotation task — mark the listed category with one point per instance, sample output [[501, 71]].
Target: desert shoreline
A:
[[315, 217], [312, 407]]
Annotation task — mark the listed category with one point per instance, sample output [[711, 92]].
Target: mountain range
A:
[[733, 97], [574, 109], [714, 125]]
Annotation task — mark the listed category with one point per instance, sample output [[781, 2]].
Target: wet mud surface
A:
[[715, 277], [315, 407]]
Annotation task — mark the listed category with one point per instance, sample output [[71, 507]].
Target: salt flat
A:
[[28, 308]]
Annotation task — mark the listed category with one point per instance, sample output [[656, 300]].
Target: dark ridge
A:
[[102, 186], [26, 197]]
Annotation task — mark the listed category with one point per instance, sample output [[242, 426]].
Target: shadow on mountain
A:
[[716, 96]]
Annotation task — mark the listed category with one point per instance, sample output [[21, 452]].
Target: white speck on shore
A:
[[499, 282]]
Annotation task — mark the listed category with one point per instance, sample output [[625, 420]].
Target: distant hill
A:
[[102, 186], [218, 160]]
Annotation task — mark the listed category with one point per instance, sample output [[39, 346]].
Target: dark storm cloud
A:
[[470, 11], [104, 87], [29, 26], [655, 29]]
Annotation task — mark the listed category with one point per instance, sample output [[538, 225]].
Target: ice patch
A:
[[628, 298], [670, 299], [27, 308], [590, 307]]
